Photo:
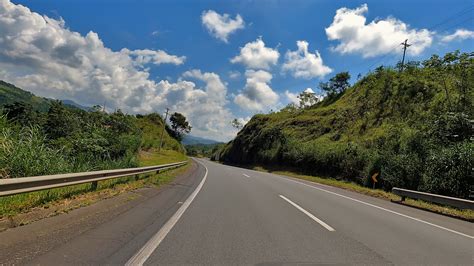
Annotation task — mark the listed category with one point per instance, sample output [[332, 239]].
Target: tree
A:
[[237, 124], [179, 125], [307, 98], [337, 84], [21, 113], [60, 121]]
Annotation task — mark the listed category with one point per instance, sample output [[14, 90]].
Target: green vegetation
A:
[[413, 128], [203, 150], [10, 94], [40, 136]]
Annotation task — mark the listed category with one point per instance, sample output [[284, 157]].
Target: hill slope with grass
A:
[[414, 128], [40, 136]]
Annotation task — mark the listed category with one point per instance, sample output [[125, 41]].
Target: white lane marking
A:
[[245, 175], [145, 252], [325, 225], [380, 208]]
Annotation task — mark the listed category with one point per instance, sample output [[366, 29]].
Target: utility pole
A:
[[405, 46], [163, 130]]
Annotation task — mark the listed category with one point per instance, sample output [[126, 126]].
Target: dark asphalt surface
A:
[[240, 217]]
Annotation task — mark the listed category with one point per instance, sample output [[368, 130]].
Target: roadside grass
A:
[[467, 215], [20, 203], [149, 158]]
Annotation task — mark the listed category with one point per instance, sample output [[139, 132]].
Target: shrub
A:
[[449, 170]]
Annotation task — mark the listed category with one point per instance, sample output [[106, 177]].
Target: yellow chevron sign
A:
[[374, 177]]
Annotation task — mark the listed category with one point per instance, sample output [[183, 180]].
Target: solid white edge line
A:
[[245, 175], [145, 252], [378, 207], [323, 224]]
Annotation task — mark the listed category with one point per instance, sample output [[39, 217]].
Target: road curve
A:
[[238, 216], [248, 217]]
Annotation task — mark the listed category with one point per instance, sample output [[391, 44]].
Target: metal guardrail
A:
[[444, 200], [13, 186]]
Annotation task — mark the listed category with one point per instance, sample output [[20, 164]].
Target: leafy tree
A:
[[307, 99], [60, 122], [20, 113], [179, 125], [237, 124], [337, 84]]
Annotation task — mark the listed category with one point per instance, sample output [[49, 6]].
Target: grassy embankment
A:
[[414, 128]]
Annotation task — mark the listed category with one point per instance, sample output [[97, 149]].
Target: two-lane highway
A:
[[228, 215], [248, 217]]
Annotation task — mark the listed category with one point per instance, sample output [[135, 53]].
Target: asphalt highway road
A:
[[222, 215]]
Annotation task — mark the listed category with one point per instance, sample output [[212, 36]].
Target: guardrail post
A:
[[137, 177], [94, 185]]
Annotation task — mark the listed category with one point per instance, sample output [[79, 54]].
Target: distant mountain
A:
[[193, 140], [75, 105]]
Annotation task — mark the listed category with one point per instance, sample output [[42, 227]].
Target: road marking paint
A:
[[145, 252], [245, 175], [381, 208], [325, 225]]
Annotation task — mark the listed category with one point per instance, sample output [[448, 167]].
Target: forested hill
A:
[[415, 128], [10, 94], [40, 136]]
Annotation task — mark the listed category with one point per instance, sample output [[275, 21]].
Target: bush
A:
[[449, 171], [26, 154]]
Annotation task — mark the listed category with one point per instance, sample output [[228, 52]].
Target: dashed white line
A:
[[145, 252], [380, 208], [323, 224], [245, 175]]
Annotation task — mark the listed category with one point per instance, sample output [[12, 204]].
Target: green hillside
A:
[[41, 136], [414, 128], [10, 94]]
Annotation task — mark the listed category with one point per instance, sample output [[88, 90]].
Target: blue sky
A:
[[203, 57]]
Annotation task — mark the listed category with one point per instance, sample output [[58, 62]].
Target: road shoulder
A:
[[140, 210]]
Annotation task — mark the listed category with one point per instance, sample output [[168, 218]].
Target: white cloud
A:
[[256, 56], [221, 26], [234, 74], [383, 36], [303, 64], [292, 97], [460, 34], [40, 54], [257, 94], [158, 57]]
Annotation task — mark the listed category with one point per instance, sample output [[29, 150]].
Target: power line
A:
[[454, 16]]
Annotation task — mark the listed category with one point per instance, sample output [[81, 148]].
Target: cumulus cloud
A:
[[303, 64], [257, 94], [292, 97], [221, 26], [256, 56], [158, 57], [41, 55], [378, 37], [460, 34]]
